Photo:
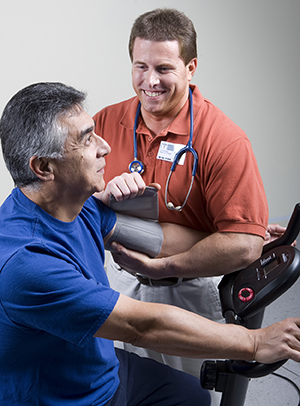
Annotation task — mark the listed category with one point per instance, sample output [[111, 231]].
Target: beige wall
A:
[[249, 64]]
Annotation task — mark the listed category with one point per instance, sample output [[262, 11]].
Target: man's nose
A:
[[153, 77], [103, 147]]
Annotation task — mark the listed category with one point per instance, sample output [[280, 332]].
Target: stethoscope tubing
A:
[[189, 145], [134, 132], [138, 166]]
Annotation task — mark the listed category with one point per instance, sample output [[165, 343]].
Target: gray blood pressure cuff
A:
[[137, 234], [144, 206]]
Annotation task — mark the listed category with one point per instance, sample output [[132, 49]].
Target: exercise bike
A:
[[244, 295]]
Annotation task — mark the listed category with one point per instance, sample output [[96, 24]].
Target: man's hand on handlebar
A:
[[273, 232], [278, 341]]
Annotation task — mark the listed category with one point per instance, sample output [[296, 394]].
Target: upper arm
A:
[[237, 250], [251, 244], [236, 199], [178, 238], [109, 235], [58, 294]]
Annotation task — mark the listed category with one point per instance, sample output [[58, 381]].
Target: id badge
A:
[[168, 150]]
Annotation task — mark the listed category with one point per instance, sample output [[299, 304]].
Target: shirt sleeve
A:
[[235, 193], [97, 214], [49, 294]]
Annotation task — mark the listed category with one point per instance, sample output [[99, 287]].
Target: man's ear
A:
[[42, 167], [191, 67]]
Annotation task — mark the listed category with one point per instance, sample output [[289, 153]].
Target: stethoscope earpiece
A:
[[171, 206]]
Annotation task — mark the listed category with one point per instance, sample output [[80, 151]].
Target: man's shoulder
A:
[[97, 213], [116, 109]]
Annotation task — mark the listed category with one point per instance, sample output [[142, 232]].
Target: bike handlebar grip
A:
[[255, 369], [290, 233]]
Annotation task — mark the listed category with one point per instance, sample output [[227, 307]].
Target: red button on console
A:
[[246, 294]]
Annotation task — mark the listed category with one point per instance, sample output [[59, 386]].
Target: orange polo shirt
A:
[[227, 194]]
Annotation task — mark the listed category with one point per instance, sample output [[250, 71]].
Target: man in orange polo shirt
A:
[[227, 202]]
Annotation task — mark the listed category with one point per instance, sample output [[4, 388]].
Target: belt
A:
[[144, 280]]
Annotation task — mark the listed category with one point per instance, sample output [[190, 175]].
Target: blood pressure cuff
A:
[[136, 234], [144, 206]]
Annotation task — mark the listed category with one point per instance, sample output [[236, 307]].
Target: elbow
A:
[[136, 340], [251, 249], [139, 339], [244, 250], [140, 334]]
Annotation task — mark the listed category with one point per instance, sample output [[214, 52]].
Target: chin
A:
[[101, 187]]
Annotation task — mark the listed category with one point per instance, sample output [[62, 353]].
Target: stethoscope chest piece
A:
[[136, 166]]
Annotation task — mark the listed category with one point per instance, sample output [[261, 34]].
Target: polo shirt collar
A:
[[178, 126]]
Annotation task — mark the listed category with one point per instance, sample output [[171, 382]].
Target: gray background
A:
[[249, 63]]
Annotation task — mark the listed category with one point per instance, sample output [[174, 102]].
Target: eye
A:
[[140, 66], [88, 139], [164, 69]]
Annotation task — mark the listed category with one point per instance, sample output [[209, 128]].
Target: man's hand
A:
[[273, 232], [125, 186], [136, 262], [278, 341]]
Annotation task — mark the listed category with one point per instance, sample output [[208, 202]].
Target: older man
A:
[[58, 314]]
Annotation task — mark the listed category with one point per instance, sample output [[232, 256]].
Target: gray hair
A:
[[30, 126]]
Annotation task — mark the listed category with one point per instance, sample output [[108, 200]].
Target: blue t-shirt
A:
[[54, 296]]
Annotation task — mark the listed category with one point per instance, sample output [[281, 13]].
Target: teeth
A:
[[153, 94]]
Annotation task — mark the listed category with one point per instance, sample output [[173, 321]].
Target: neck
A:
[[57, 204], [156, 123]]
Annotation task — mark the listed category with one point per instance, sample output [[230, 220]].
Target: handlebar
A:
[[290, 234], [256, 369]]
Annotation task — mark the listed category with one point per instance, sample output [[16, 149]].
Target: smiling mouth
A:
[[152, 94]]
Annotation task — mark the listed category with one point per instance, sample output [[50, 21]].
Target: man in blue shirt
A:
[[58, 315]]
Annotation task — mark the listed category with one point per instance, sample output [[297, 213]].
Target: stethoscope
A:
[[137, 165]]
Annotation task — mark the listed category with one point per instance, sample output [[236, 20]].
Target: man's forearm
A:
[[152, 238], [182, 333], [171, 330], [217, 254]]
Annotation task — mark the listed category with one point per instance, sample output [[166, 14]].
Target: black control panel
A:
[[256, 286], [244, 294]]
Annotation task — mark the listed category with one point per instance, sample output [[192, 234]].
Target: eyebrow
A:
[[83, 133], [168, 64], [139, 63]]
